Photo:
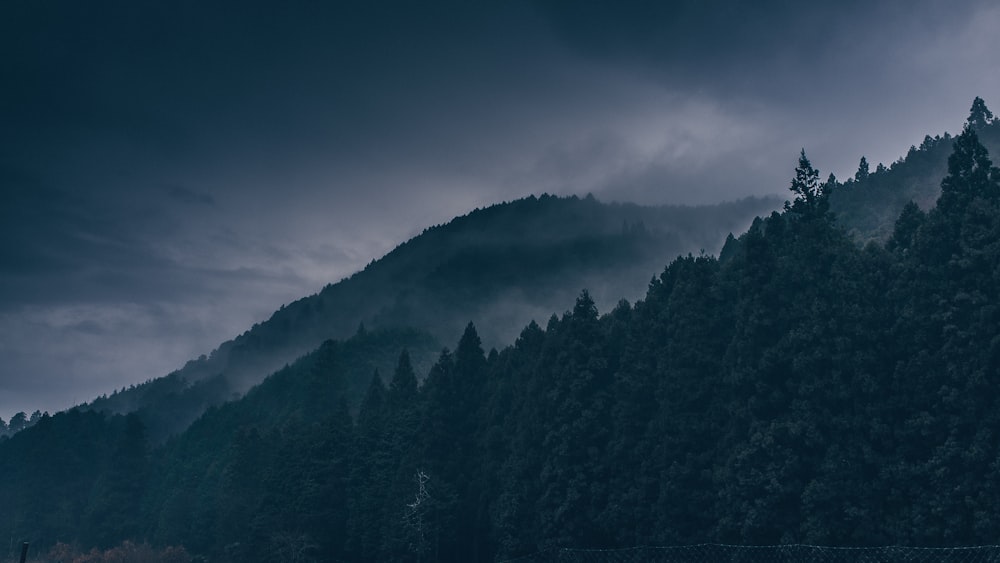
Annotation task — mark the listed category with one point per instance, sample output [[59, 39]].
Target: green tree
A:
[[810, 194], [372, 412], [402, 447], [403, 387], [979, 115], [18, 422], [971, 174], [863, 170], [373, 468], [907, 226]]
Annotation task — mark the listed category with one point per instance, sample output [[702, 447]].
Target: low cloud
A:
[[163, 191]]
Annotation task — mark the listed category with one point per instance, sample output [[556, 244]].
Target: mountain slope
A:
[[800, 389], [501, 267], [510, 263], [868, 204]]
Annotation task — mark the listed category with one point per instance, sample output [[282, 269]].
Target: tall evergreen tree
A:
[[971, 174], [810, 194], [470, 360], [863, 170], [403, 444], [906, 228], [403, 387], [469, 478], [979, 115], [17, 422], [372, 410], [374, 467]]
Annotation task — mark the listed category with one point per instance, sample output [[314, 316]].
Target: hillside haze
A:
[[499, 267], [505, 265], [869, 202]]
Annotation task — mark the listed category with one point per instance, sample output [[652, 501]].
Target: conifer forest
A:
[[828, 376]]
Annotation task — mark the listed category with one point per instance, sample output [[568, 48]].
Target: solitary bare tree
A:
[[414, 515]]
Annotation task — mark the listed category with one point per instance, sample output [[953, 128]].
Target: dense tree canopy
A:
[[498, 265], [800, 389]]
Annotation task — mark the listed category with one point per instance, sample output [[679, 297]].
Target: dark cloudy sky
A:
[[173, 171]]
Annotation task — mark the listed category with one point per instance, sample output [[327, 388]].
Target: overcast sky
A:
[[173, 171]]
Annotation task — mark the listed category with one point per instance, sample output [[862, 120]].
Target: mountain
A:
[[500, 267], [800, 388], [507, 264]]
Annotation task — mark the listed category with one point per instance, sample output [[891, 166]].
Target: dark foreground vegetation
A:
[[799, 388], [126, 552]]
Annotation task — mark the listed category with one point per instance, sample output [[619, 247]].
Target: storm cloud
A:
[[171, 172]]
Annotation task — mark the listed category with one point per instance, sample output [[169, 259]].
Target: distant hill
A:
[[500, 267]]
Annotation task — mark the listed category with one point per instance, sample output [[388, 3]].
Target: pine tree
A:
[[375, 466], [863, 170], [979, 115], [810, 194], [907, 225], [829, 185], [372, 411], [469, 356], [469, 478], [971, 174], [18, 422], [403, 443], [403, 387]]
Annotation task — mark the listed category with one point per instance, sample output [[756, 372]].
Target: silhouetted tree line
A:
[[868, 204], [18, 422], [799, 388]]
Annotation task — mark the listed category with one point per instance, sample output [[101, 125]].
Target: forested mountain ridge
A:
[[501, 266], [868, 204], [511, 262], [800, 388]]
